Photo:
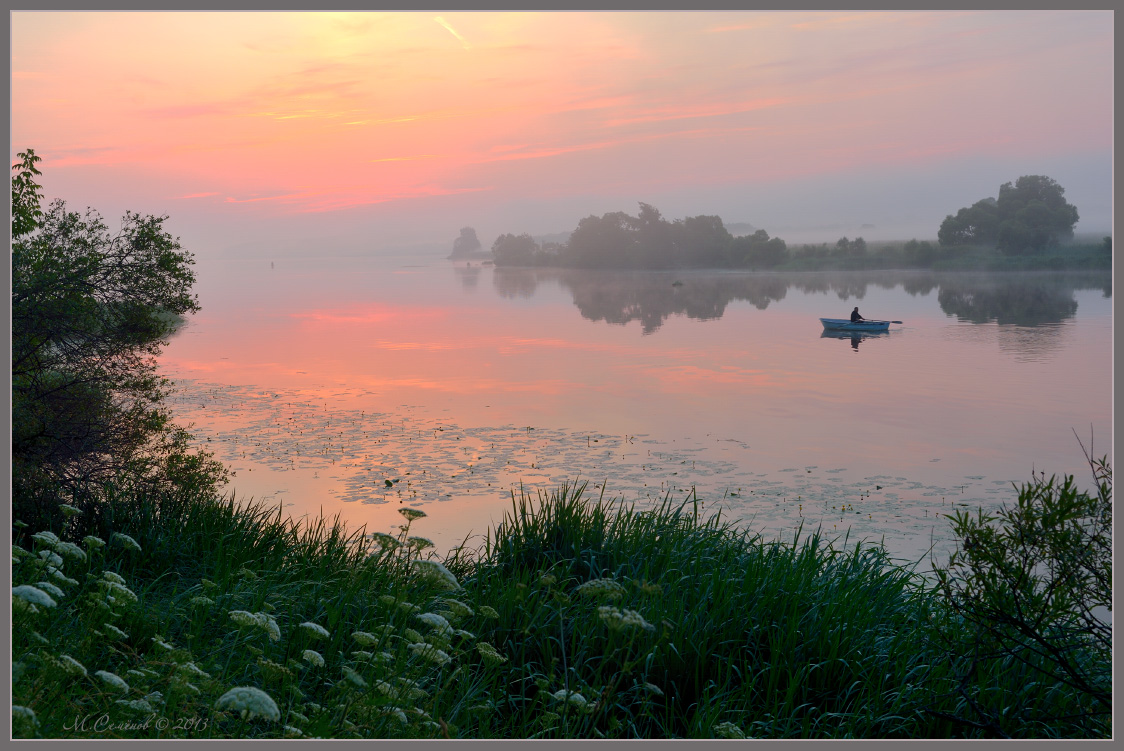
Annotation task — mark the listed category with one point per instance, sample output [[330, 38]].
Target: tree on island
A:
[[647, 241], [1028, 216], [466, 244]]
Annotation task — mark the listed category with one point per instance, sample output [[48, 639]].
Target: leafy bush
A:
[[1033, 585]]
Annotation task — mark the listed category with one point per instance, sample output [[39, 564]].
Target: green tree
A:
[[759, 250], [515, 250], [1033, 583], [975, 225], [26, 194], [90, 311], [466, 243], [608, 241], [1029, 215], [704, 241]]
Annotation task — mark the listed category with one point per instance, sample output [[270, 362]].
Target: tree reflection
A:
[[620, 297]]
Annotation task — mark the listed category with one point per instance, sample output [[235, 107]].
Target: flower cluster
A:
[[263, 621], [619, 620], [250, 702], [489, 653], [728, 730], [430, 653], [601, 589], [436, 574], [315, 629]]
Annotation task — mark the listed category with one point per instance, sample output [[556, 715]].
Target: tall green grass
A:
[[575, 618]]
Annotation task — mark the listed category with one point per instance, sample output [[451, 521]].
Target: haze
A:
[[274, 134]]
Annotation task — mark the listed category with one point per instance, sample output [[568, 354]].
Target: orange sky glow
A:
[[529, 121]]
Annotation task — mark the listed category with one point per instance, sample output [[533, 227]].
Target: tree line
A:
[[1029, 216]]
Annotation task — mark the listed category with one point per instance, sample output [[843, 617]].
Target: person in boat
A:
[[855, 315]]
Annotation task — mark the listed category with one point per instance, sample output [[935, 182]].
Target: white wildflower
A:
[[430, 653], [606, 588], [653, 689], [436, 574], [70, 550], [50, 539], [315, 629], [189, 687], [410, 690], [33, 595], [490, 654], [68, 510], [413, 636], [419, 543], [263, 621], [155, 698], [408, 607], [202, 601], [24, 717], [120, 590], [312, 657], [353, 677], [434, 621], [412, 513], [72, 666], [618, 620], [250, 702], [573, 697], [386, 658], [297, 716], [190, 668], [114, 631], [397, 713], [137, 705], [51, 589], [458, 607], [162, 644], [135, 673], [50, 557], [728, 730], [362, 655], [113, 576], [489, 612], [291, 731], [465, 634], [364, 638], [272, 627], [113, 680], [60, 576], [125, 541], [93, 541], [384, 541]]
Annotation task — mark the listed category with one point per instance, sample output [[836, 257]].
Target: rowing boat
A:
[[845, 324]]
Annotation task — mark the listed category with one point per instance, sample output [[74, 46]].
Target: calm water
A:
[[350, 386]]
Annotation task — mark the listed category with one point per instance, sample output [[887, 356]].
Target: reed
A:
[[575, 618]]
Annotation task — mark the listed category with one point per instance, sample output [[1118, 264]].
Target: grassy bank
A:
[[193, 616]]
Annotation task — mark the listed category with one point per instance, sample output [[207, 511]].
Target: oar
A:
[[871, 320]]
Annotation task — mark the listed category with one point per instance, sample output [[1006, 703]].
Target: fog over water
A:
[[352, 385]]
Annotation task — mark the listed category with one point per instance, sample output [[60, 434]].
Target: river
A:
[[350, 386]]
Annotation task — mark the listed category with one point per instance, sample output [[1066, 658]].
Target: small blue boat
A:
[[846, 324]]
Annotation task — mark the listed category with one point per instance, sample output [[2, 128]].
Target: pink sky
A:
[[257, 128]]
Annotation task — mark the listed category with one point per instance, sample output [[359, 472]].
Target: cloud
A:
[[452, 31]]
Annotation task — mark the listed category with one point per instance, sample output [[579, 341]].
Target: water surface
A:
[[353, 385]]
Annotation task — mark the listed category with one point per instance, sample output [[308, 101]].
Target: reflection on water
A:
[[854, 337], [620, 297], [320, 381]]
